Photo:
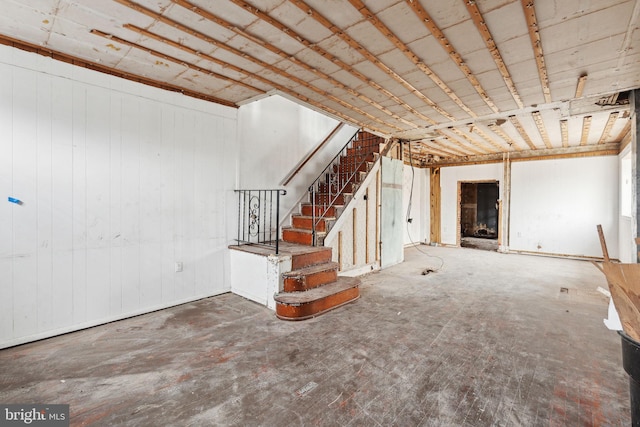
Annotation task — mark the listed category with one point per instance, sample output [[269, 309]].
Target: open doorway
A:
[[479, 215]]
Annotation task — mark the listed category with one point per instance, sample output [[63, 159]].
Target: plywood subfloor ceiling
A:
[[457, 80]]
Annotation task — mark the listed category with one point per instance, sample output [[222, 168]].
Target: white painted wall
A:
[[118, 181], [418, 230], [258, 277], [556, 205], [449, 178], [275, 135]]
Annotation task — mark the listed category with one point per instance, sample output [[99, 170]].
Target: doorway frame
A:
[[459, 207]]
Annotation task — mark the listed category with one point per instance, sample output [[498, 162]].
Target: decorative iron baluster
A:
[[258, 218]]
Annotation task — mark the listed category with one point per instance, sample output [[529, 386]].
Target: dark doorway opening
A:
[[479, 215]]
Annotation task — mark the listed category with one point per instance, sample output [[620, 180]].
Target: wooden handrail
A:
[[313, 153]]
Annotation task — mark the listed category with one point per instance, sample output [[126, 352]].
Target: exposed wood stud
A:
[[453, 54], [434, 202], [180, 62], [534, 35], [564, 131], [316, 48], [378, 207], [537, 117], [373, 19], [374, 60], [582, 80], [607, 128], [516, 123], [502, 134], [482, 27], [354, 239], [586, 126], [366, 227], [339, 250]]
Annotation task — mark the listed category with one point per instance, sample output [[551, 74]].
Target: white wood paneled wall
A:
[[119, 181]]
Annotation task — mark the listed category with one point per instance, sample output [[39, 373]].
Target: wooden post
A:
[[355, 237], [434, 187], [339, 250], [635, 137], [366, 227], [505, 205], [378, 215]]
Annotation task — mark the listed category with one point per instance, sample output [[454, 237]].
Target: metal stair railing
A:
[[259, 217], [338, 174]]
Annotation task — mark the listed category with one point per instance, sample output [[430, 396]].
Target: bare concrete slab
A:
[[487, 339]]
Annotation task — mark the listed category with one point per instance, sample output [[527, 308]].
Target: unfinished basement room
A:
[[319, 213]]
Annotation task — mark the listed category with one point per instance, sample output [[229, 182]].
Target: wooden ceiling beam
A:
[[502, 134], [446, 149], [536, 43], [607, 128], [444, 153], [58, 56], [609, 149], [486, 137], [373, 19], [586, 126], [476, 147], [451, 51], [516, 124], [374, 60], [582, 80], [482, 27], [177, 61], [564, 131], [271, 83], [454, 144], [229, 26], [537, 117]]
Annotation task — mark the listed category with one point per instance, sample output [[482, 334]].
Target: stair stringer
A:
[[344, 218]]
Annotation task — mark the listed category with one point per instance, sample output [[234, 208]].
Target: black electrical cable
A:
[[408, 217]]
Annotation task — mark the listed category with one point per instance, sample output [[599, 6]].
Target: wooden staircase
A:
[[313, 286]]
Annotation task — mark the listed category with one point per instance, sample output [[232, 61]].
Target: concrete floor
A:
[[488, 340]]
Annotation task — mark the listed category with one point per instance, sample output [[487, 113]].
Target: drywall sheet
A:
[[391, 215], [120, 186], [556, 205]]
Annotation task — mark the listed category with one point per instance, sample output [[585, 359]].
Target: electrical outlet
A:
[[178, 266]]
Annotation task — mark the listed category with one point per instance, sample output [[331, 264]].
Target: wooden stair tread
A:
[[298, 298], [311, 269]]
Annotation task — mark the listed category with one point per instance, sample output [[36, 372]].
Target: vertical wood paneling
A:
[[62, 199], [150, 204], [6, 208], [44, 201], [25, 221], [116, 188], [168, 197], [115, 197], [130, 207], [97, 202], [79, 204]]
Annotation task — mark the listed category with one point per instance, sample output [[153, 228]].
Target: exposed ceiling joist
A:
[[451, 51], [586, 126], [541, 128], [481, 25], [607, 128], [523, 133], [376, 22], [534, 34]]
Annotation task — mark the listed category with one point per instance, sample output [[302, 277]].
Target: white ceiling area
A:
[[463, 80]]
